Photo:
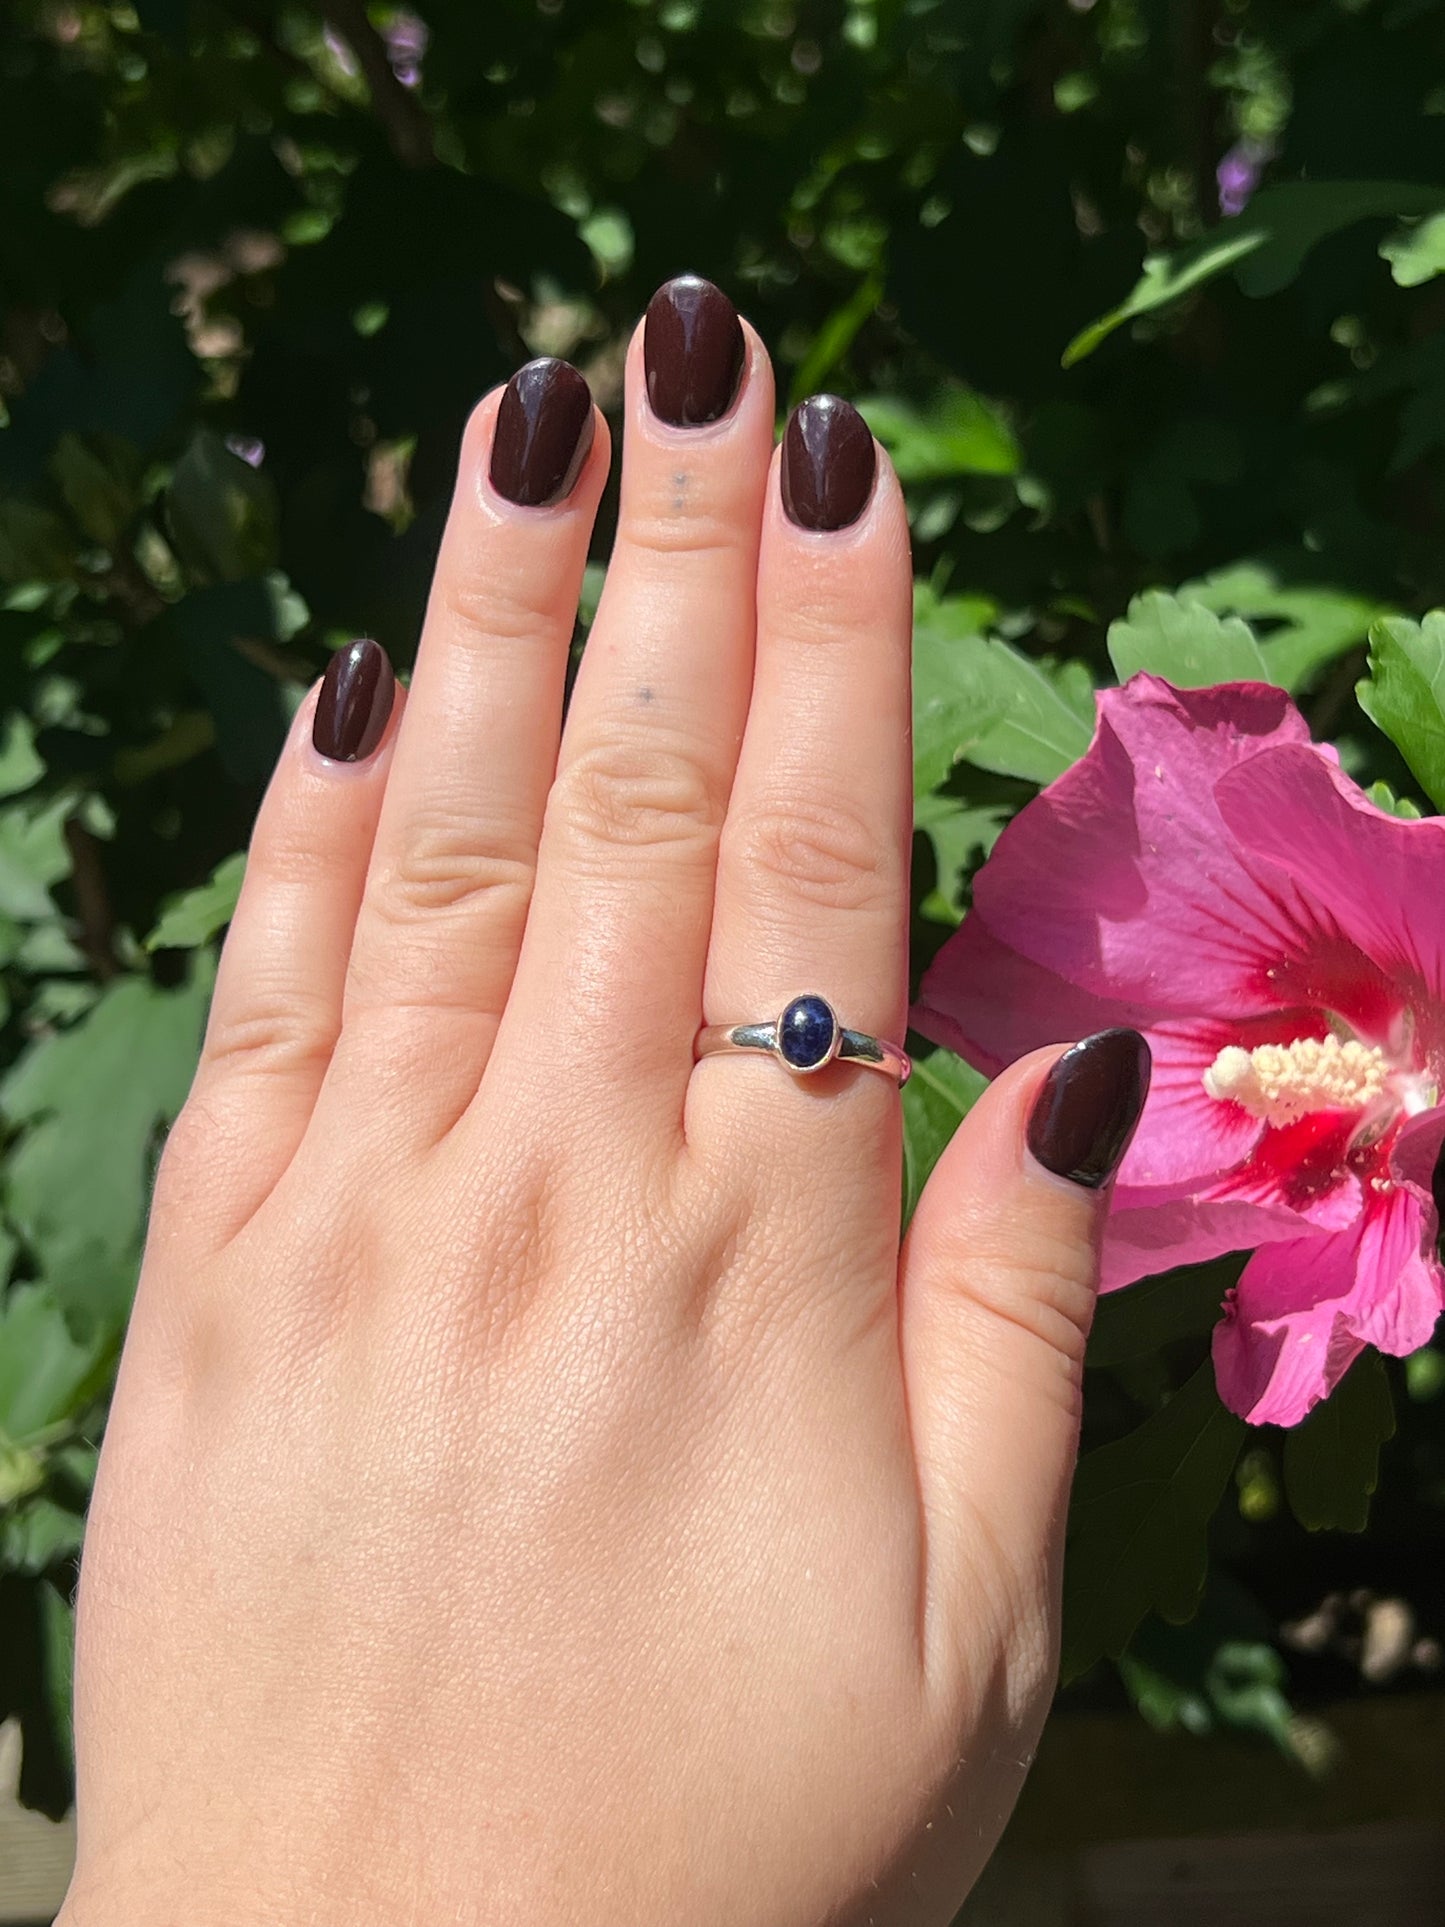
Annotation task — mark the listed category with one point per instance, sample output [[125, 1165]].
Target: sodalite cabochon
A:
[[806, 1032]]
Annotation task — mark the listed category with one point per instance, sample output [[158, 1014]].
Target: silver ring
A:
[[805, 1038]]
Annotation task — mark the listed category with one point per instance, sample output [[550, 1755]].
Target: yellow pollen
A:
[[1282, 1083]]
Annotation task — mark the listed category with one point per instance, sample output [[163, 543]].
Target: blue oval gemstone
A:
[[806, 1031]]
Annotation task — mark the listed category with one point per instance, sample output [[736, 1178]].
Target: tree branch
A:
[[402, 116], [92, 901]]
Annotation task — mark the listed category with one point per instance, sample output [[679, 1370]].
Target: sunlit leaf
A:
[[93, 1100], [1264, 247], [193, 918], [977, 700], [1185, 643], [1404, 694], [936, 1099], [959, 435], [1416, 251]]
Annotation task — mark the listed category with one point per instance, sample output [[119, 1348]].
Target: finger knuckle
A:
[[442, 868], [826, 854], [1042, 1287], [277, 1032], [668, 530], [625, 794], [482, 608], [709, 510]]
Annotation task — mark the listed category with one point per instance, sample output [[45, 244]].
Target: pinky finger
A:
[[276, 1013]]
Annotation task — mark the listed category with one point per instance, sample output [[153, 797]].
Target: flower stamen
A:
[[1281, 1083]]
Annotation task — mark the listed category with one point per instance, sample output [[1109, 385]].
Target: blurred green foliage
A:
[[1145, 297]]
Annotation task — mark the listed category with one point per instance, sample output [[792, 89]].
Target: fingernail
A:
[[1084, 1116], [357, 693], [692, 352], [543, 433], [828, 464]]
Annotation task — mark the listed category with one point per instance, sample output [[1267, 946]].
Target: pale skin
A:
[[537, 1489]]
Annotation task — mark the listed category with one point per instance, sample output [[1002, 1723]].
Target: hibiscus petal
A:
[[1377, 880], [1186, 1137], [1416, 1152], [1305, 1309], [985, 1001], [1145, 1233], [1121, 878]]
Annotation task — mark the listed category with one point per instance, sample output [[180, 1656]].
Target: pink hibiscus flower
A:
[[1211, 877]]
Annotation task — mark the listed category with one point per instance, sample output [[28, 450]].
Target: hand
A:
[[536, 1490]]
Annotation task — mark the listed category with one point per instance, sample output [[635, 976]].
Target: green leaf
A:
[[1384, 798], [100, 479], [20, 766], [1139, 1522], [33, 857], [1311, 624], [1404, 694], [57, 1633], [193, 918], [1185, 643], [937, 1097], [39, 1534], [1416, 251], [1332, 1459], [44, 1369], [1140, 1320], [835, 338], [1264, 247], [959, 435], [93, 1100], [959, 832], [222, 513], [1189, 1678], [977, 700]]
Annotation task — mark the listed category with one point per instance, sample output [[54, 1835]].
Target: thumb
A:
[[999, 1275]]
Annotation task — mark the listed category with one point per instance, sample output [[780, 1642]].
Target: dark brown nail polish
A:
[[544, 430], [1084, 1116], [355, 702], [692, 352], [829, 462]]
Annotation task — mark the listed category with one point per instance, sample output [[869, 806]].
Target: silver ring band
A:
[[803, 1039]]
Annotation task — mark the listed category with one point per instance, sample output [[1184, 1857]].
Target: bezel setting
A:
[[813, 1007]]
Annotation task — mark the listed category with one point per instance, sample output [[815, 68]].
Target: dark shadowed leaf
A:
[[1139, 1522], [1332, 1460], [1144, 1317]]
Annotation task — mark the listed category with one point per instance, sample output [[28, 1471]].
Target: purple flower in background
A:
[[250, 448], [1238, 174], [406, 43]]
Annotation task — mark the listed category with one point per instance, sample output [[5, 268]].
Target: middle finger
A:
[[609, 986]]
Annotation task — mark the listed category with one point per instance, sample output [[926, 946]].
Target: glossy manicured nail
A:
[[1084, 1116], [692, 351], [355, 702], [543, 433], [829, 462]]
